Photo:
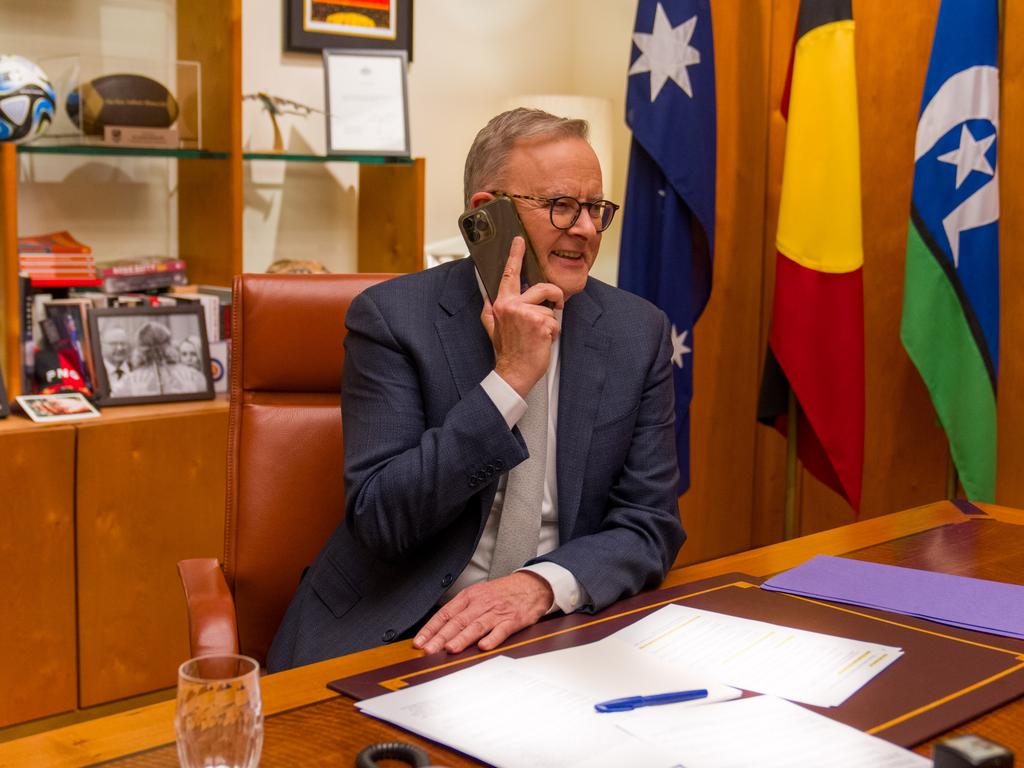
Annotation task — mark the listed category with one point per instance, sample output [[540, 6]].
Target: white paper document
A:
[[775, 734], [611, 669], [813, 668], [510, 718]]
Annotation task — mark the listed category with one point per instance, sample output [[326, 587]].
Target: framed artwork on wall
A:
[[151, 354], [313, 25]]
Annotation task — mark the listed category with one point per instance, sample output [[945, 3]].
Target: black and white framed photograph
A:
[[313, 25], [367, 103], [151, 354]]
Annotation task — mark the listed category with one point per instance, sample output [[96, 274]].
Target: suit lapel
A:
[[467, 350], [582, 377], [466, 345]]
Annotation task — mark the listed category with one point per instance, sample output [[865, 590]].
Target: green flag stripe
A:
[[954, 280], [939, 340]]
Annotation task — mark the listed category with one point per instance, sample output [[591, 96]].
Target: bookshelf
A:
[[103, 509], [210, 180]]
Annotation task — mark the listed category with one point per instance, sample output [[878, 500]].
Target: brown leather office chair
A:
[[285, 492]]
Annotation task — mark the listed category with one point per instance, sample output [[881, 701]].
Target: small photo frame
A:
[[367, 103], [369, 24], [46, 409], [150, 354]]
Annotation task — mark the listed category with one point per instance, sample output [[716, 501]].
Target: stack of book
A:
[[142, 274], [56, 260]]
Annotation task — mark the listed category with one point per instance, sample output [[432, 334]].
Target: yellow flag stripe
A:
[[819, 213]]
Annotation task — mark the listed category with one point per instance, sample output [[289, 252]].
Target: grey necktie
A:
[[519, 527]]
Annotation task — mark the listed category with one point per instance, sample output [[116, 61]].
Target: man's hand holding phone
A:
[[521, 327]]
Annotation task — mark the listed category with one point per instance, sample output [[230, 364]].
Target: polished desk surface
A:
[[307, 724]]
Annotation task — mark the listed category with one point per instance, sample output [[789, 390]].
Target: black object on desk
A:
[[971, 751], [392, 750]]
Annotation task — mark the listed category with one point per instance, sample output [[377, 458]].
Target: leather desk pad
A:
[[945, 677]]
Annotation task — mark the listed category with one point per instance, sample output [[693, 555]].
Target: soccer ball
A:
[[27, 100]]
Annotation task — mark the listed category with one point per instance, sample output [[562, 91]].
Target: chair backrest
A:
[[285, 487]]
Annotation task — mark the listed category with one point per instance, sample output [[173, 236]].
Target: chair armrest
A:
[[211, 608]]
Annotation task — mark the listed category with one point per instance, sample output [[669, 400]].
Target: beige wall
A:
[[121, 207], [470, 58]]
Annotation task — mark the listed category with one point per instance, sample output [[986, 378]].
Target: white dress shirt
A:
[[568, 592]]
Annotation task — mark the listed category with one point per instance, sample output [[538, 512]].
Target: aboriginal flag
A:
[[816, 345]]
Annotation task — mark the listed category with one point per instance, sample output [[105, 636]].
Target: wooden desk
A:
[[309, 725]]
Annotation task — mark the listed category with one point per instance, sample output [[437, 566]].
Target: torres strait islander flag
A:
[[950, 321], [668, 230], [816, 345]]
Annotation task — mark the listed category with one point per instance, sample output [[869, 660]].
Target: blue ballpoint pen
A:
[[633, 702]]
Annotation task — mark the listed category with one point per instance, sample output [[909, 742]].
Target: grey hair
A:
[[489, 153]]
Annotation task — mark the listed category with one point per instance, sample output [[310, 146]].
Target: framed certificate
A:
[[366, 102]]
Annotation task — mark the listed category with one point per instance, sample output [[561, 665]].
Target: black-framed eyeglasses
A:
[[564, 210]]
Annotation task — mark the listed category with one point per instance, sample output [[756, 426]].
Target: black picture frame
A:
[[302, 34], [157, 372]]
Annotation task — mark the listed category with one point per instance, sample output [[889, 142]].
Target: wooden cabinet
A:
[[150, 492], [95, 516], [37, 570]]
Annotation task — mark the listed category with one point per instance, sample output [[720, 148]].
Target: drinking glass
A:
[[219, 715]]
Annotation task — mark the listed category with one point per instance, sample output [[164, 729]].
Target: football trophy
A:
[[27, 100], [121, 99]]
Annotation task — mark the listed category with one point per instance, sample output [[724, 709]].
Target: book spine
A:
[[148, 268], [130, 283], [26, 336], [44, 248]]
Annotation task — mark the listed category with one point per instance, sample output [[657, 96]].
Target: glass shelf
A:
[[202, 154], [366, 159], [101, 149]]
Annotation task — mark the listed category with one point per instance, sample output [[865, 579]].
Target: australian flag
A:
[[668, 233]]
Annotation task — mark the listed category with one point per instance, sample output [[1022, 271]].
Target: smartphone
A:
[[488, 232]]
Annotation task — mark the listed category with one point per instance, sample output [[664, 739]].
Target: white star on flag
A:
[[666, 53], [679, 347], [969, 156]]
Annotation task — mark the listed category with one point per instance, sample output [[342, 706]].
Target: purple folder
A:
[[986, 606]]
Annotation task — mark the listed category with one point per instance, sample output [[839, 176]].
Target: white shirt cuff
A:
[[505, 399], [569, 593]]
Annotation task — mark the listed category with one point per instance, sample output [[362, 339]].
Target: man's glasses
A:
[[565, 211]]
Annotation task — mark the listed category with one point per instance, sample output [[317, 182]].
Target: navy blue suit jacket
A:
[[425, 447]]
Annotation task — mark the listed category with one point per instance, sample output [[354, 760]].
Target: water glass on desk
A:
[[219, 714]]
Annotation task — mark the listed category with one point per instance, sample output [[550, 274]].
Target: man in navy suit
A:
[[435, 391]]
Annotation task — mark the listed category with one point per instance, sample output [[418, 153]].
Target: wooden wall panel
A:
[[717, 511], [210, 191], [769, 483], [37, 576], [1010, 480], [151, 491], [391, 216]]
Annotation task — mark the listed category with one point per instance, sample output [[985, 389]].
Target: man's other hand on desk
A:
[[486, 613]]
